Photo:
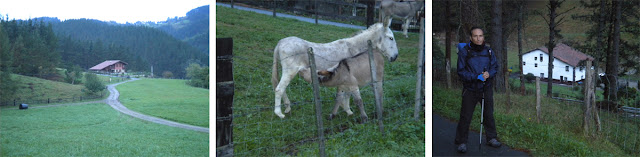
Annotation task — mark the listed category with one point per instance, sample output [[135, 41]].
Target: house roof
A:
[[105, 64], [566, 54]]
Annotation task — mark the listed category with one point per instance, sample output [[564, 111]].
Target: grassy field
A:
[[558, 133], [166, 98], [92, 130], [259, 132]]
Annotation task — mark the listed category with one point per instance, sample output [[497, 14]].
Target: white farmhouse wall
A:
[[532, 58]]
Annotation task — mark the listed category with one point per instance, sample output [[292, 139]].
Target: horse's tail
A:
[[274, 69]]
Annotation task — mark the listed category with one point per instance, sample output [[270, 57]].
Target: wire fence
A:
[[618, 116], [257, 131], [18, 101], [353, 12]]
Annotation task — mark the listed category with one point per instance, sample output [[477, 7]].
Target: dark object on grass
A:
[[23, 106]]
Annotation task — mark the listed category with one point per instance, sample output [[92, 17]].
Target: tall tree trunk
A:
[[612, 67], [504, 60], [520, 18], [600, 43], [553, 4], [496, 44], [448, 36], [470, 16], [609, 52]]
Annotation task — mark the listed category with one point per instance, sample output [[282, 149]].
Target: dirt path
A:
[[444, 132], [113, 101]]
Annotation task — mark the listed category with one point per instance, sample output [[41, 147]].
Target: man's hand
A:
[[485, 75]]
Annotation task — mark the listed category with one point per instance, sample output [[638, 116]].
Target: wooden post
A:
[[274, 8], [538, 99], [224, 96], [587, 99], [315, 9], [420, 77], [231, 3], [376, 88], [316, 99]]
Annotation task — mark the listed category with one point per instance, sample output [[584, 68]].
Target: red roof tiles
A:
[[566, 54]]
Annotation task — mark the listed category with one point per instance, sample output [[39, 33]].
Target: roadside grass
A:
[[36, 92], [558, 134], [92, 130], [257, 131], [168, 99], [106, 81]]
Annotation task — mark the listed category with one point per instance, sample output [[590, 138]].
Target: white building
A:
[[565, 63]]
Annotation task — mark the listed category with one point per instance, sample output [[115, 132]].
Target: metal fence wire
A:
[[257, 131], [353, 12], [619, 119]]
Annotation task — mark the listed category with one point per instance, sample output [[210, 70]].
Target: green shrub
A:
[[199, 76], [93, 84], [530, 77]]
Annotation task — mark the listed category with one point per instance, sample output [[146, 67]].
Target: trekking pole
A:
[[482, 111]]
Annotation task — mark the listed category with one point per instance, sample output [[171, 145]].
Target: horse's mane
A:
[[372, 28]]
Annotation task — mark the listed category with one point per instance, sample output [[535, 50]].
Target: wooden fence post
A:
[[587, 99], [420, 77], [315, 9], [274, 8], [224, 96], [538, 107], [376, 88], [316, 99]]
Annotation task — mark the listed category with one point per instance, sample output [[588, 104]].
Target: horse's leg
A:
[[287, 76], [358, 100], [286, 102], [339, 97], [405, 26], [345, 101]]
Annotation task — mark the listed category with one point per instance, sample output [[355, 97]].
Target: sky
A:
[[121, 11]]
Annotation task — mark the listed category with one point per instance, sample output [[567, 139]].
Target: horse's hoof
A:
[[280, 115], [364, 119], [287, 110]]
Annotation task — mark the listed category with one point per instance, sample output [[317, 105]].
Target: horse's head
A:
[[386, 43]]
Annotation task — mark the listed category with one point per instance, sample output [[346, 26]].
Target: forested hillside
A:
[[155, 47], [192, 29]]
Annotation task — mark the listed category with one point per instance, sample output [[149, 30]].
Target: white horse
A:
[[349, 75], [292, 53], [404, 10]]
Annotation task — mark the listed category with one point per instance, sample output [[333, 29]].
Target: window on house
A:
[[566, 68], [535, 58], [541, 75], [540, 57], [524, 63], [535, 64]]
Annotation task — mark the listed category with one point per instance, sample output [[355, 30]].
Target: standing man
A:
[[477, 67]]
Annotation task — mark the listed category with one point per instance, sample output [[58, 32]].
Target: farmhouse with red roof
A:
[[111, 66], [565, 63]]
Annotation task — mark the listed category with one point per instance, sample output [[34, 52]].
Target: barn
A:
[[565, 63], [110, 66]]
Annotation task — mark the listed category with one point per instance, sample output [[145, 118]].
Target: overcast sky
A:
[[121, 11]]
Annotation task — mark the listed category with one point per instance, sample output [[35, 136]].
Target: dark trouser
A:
[[469, 101]]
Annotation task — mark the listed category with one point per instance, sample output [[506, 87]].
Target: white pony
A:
[[292, 53], [403, 10]]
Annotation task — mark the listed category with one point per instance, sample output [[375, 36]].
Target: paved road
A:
[[115, 104], [310, 20], [444, 132]]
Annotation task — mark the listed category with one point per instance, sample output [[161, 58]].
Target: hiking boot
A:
[[494, 143], [462, 148]]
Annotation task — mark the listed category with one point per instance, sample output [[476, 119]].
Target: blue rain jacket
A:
[[471, 64]]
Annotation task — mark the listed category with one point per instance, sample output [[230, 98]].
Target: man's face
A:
[[477, 36]]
